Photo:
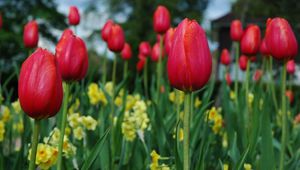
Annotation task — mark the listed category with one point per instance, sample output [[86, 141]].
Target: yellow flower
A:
[[198, 102], [215, 116], [232, 95], [78, 133], [212, 113], [74, 120], [225, 140], [109, 88], [172, 96], [164, 167], [18, 127], [176, 97], [5, 113], [225, 167], [250, 98], [74, 107], [16, 106], [96, 95], [46, 156], [89, 122], [2, 130], [118, 101], [247, 166], [180, 134], [155, 157]]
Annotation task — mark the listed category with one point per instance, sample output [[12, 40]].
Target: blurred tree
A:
[[15, 15]]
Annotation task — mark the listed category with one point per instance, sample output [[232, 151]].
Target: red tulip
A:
[[126, 52], [40, 85], [257, 75], [280, 39], [1, 22], [228, 79], [72, 56], [74, 16], [189, 63], [290, 95], [236, 30], [243, 60], [225, 57], [105, 32], [158, 37], [161, 19], [145, 48], [140, 65], [250, 42], [116, 40], [155, 52], [168, 39], [290, 67], [31, 34], [252, 58], [264, 49], [141, 56]]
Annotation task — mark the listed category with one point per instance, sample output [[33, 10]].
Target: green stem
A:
[[145, 73], [236, 71], [186, 130], [284, 117], [125, 69], [247, 84], [272, 82], [159, 68], [63, 126], [113, 111], [104, 66], [35, 141]]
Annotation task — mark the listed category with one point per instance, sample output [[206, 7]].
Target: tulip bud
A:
[[168, 39], [236, 30], [116, 40], [264, 49], [290, 67], [290, 95], [281, 39], [105, 32], [31, 34], [40, 85], [225, 57], [145, 48], [72, 56], [189, 63], [126, 52], [257, 75], [74, 16], [243, 60], [140, 65], [228, 79], [250, 42], [155, 52], [161, 19], [141, 57]]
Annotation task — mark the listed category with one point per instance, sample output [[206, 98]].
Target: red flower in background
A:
[[290, 95], [126, 52], [116, 40], [140, 65], [161, 19], [1, 21], [74, 16], [264, 49], [40, 85], [31, 34], [169, 39], [225, 57], [155, 52], [236, 30], [145, 48], [72, 56], [189, 63], [250, 42], [291, 67], [257, 75], [243, 60], [105, 32], [228, 79]]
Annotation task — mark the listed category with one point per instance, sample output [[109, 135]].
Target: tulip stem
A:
[[125, 69], [104, 66], [284, 117], [146, 78], [236, 71], [272, 82], [159, 67], [35, 141], [186, 130], [247, 84], [63, 126]]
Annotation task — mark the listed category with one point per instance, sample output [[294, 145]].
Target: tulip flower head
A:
[[145, 48], [168, 39], [228, 79], [74, 16], [243, 60], [189, 63], [155, 52], [257, 75], [140, 65], [280, 39], [116, 40], [105, 32], [264, 49], [72, 56], [126, 52], [161, 19], [31, 34], [291, 67], [250, 42], [225, 57], [236, 30], [290, 95], [40, 85]]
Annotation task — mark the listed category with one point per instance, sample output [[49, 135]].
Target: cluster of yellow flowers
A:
[[177, 97], [214, 115], [96, 95], [135, 120], [180, 134], [79, 123], [46, 156], [4, 117], [18, 124], [155, 164]]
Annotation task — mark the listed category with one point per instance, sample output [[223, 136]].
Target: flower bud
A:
[[168, 39], [74, 16], [105, 32], [126, 52], [31, 34], [243, 60], [225, 57], [290, 67], [116, 40], [161, 19], [250, 42], [236, 30], [145, 48]]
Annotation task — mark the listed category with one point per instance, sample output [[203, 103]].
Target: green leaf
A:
[[95, 151]]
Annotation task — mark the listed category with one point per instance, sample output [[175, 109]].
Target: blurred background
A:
[[135, 16]]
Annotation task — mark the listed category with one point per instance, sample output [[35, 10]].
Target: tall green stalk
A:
[[247, 84], [112, 115], [63, 126], [159, 68], [35, 141], [104, 67], [272, 86], [145, 73], [186, 130], [236, 45], [284, 117]]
